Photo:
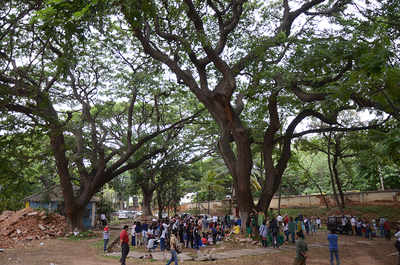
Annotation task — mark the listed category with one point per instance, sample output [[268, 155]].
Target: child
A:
[[150, 242], [204, 239], [106, 237]]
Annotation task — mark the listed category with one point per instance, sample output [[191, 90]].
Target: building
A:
[[52, 201]]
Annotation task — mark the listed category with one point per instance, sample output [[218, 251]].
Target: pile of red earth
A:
[[28, 224]]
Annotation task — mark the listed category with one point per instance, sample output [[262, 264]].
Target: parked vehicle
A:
[[334, 223], [123, 214]]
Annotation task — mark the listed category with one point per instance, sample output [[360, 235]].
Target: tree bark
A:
[[161, 203], [279, 200], [147, 199], [240, 169], [75, 219], [322, 194], [336, 154], [331, 172]]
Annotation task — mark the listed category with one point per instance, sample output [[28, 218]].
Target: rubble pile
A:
[[28, 224]]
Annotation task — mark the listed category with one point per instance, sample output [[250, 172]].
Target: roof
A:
[[54, 194]]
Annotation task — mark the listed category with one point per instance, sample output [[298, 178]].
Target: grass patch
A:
[[83, 235]]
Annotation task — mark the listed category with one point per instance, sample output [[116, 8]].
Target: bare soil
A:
[[353, 251]]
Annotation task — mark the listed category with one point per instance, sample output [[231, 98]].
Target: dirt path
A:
[[58, 252], [353, 251]]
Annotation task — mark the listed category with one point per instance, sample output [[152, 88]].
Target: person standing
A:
[[397, 244], [301, 249], [173, 244], [263, 230], [292, 229], [286, 231], [306, 225], [381, 230], [106, 237], [138, 234], [163, 238], [124, 240], [386, 228], [274, 228], [333, 246], [318, 221], [103, 219], [248, 227], [353, 225], [133, 234], [279, 219], [313, 225]]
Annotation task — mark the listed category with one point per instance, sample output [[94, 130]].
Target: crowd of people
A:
[[187, 231], [191, 231], [369, 229], [173, 234]]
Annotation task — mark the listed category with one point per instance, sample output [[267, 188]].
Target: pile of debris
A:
[[28, 224]]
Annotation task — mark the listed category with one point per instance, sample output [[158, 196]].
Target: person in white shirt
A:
[[318, 221], [150, 243], [103, 219], [164, 229], [215, 219], [279, 219], [353, 225]]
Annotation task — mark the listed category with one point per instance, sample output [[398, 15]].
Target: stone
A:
[[19, 231], [42, 227], [32, 213]]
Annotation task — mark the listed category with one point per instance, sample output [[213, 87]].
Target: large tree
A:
[[277, 56], [259, 69], [96, 105]]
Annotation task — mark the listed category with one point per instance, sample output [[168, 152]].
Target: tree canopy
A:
[[112, 83]]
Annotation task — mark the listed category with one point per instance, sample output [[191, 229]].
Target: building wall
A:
[[88, 218], [391, 197]]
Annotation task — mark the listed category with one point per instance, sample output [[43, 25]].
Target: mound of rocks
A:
[[28, 224]]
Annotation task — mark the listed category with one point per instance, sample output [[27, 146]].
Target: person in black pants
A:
[[273, 226], [124, 240]]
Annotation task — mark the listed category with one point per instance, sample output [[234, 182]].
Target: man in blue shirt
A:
[[333, 246]]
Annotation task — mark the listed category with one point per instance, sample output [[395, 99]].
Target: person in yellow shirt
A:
[[236, 229]]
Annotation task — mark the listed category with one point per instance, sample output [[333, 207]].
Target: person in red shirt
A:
[[124, 240], [386, 227], [286, 219]]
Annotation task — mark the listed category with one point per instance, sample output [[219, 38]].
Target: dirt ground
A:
[[352, 251]]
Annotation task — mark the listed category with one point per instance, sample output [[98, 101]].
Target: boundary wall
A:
[[387, 197]]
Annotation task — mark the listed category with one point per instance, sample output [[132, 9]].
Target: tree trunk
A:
[[147, 199], [381, 181], [335, 195], [160, 205], [279, 200], [75, 218], [322, 194], [240, 169], [335, 171], [338, 182]]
